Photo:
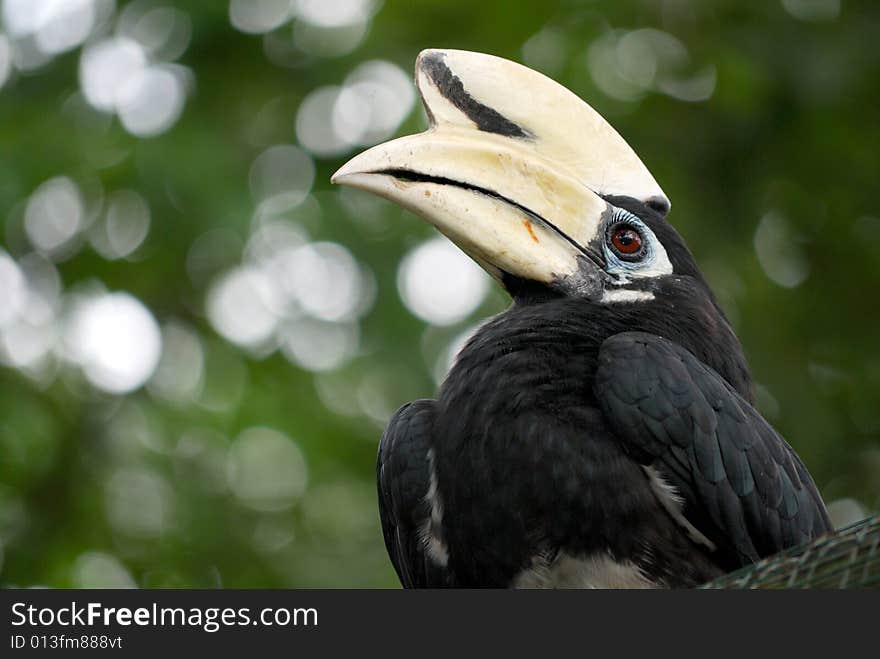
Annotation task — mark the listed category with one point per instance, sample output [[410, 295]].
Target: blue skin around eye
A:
[[619, 268]]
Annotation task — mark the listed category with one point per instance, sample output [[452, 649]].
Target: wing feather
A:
[[743, 486], [403, 475]]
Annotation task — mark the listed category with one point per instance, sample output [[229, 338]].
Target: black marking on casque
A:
[[452, 89]]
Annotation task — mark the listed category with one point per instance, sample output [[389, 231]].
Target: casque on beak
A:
[[512, 168]]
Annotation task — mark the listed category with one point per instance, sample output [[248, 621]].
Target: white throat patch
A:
[[623, 295]]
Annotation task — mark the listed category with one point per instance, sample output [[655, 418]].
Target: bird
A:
[[601, 432]]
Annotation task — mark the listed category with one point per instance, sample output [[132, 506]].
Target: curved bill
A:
[[513, 168]]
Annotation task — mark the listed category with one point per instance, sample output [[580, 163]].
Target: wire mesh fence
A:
[[849, 558]]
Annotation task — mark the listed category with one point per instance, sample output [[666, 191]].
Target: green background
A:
[[758, 119]]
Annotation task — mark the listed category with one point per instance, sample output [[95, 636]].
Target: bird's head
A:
[[541, 191]]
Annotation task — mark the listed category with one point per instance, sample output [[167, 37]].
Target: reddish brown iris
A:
[[626, 240]]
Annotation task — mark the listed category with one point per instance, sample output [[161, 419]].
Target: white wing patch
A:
[[672, 502], [431, 531]]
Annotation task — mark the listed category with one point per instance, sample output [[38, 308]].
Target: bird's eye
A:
[[626, 241]]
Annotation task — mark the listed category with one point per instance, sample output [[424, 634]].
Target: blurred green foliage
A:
[[758, 119]]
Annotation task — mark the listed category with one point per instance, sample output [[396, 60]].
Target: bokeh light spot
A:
[[271, 535], [324, 278], [54, 215], [545, 51], [28, 329], [13, 288], [52, 26], [258, 16], [281, 177], [95, 569], [440, 284], [334, 13], [317, 345], [125, 225], [376, 97], [5, 59], [240, 306], [27, 341], [115, 340], [65, 25], [314, 123], [320, 41], [151, 101], [106, 67], [266, 469], [779, 252], [164, 32], [814, 11], [271, 240], [627, 64], [138, 502], [179, 375], [844, 512]]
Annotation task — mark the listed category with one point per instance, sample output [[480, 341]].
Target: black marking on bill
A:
[[589, 253], [452, 89]]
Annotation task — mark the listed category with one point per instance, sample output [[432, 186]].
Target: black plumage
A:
[[573, 428], [403, 477], [743, 485]]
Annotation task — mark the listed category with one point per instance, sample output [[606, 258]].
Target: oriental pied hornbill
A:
[[600, 432]]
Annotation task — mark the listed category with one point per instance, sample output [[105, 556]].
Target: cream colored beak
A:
[[512, 168]]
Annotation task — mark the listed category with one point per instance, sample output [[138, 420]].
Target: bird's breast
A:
[[522, 456], [599, 570]]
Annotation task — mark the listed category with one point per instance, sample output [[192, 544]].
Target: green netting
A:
[[849, 558]]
